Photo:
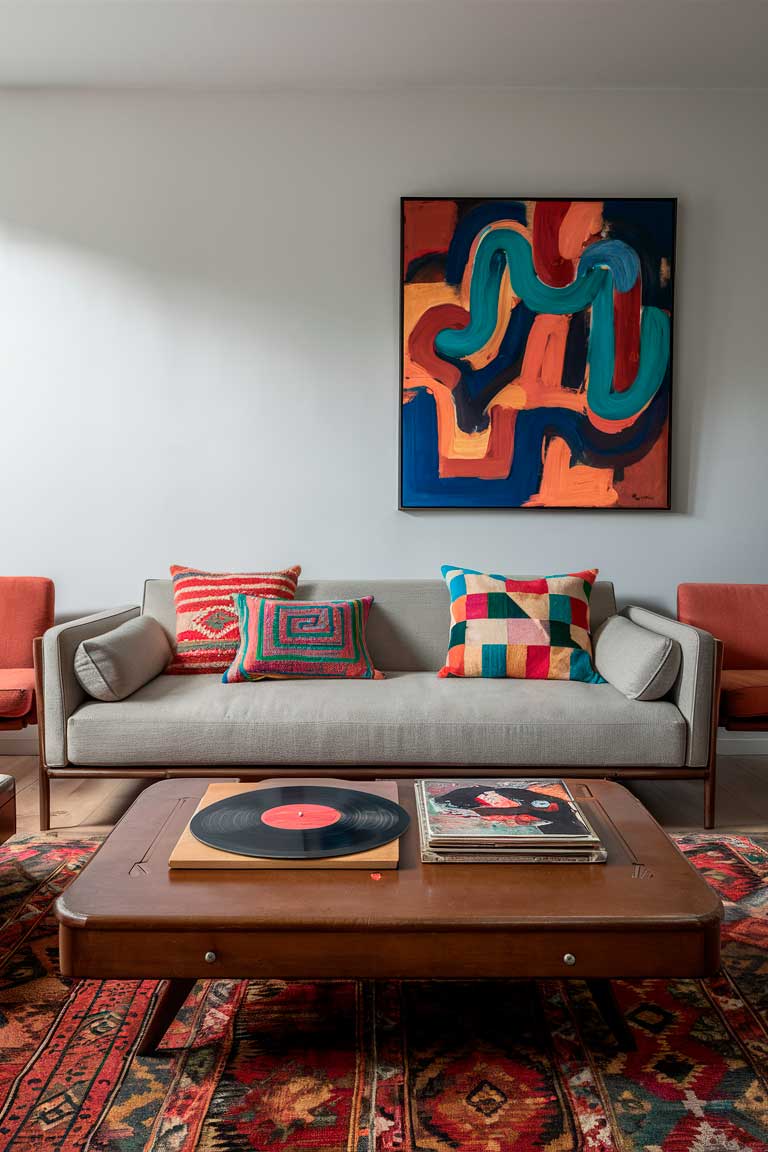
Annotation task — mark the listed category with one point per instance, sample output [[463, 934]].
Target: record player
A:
[[282, 824]]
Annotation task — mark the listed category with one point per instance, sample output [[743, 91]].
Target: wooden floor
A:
[[742, 802]]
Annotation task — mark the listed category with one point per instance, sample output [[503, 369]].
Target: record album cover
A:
[[502, 813]]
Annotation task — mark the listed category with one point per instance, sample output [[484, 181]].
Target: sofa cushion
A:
[[409, 718], [117, 663], [17, 692], [745, 692], [640, 663]]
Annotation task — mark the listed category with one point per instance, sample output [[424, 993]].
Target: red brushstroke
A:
[[421, 342], [429, 227], [550, 266], [626, 334]]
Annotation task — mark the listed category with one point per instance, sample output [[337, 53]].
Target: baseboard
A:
[[21, 743], [742, 743]]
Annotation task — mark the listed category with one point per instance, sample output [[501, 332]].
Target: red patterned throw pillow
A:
[[207, 629], [313, 639]]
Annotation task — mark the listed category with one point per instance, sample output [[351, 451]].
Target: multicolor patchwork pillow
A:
[[522, 629], [207, 627], [284, 639]]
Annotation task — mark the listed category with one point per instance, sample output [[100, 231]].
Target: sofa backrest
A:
[[408, 625]]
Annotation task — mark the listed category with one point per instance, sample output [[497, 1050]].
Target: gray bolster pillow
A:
[[113, 666]]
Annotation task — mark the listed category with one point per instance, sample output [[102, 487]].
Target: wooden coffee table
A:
[[645, 913]]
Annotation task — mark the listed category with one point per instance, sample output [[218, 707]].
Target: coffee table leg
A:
[[171, 998], [602, 994]]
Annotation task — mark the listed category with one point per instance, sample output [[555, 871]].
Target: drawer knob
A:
[[569, 959], [209, 957]]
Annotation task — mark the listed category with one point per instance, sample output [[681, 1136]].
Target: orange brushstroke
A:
[[542, 369], [564, 486], [490, 350], [487, 453], [498, 442], [582, 222], [513, 226]]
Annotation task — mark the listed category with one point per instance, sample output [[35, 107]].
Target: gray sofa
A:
[[409, 722]]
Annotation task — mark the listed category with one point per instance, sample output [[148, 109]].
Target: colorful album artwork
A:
[[479, 810]]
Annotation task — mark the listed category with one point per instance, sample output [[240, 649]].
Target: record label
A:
[[299, 822], [298, 816]]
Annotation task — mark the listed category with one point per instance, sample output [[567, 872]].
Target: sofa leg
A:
[[43, 779], [710, 790], [710, 784], [45, 799]]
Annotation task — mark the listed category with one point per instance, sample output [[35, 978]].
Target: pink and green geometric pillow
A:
[[521, 629], [286, 639]]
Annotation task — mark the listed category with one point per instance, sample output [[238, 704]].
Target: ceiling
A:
[[385, 44]]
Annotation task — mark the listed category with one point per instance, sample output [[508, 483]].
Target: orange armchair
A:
[[738, 615], [26, 611]]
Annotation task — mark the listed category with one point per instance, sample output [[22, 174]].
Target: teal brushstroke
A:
[[593, 287], [654, 356]]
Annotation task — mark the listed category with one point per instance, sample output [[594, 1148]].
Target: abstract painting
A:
[[536, 353]]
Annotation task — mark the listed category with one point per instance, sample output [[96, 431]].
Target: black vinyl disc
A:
[[299, 822]]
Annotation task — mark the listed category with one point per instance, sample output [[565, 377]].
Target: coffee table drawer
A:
[[568, 954]]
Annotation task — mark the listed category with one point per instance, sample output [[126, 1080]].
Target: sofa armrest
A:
[[693, 691], [62, 692]]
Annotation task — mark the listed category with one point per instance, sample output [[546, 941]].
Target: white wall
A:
[[199, 330]]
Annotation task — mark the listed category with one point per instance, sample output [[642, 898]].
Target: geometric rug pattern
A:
[[486, 1066]]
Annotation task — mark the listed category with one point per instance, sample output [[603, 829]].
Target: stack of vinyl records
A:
[[503, 821]]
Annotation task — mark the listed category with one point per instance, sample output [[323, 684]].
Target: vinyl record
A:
[[299, 822]]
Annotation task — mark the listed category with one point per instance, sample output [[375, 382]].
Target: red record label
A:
[[298, 817]]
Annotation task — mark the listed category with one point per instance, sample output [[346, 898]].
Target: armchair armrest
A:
[[693, 691], [62, 692]]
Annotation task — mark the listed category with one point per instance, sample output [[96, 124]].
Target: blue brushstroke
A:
[[622, 261], [575, 359]]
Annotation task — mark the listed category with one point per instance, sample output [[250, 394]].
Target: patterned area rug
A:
[[351, 1067]]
